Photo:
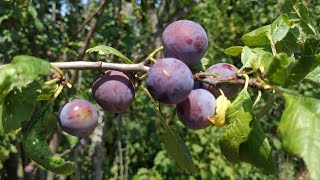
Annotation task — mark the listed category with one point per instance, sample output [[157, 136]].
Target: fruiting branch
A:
[[140, 67], [254, 83]]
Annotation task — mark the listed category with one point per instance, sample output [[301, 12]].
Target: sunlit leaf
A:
[[244, 139], [106, 50], [233, 51], [257, 37]]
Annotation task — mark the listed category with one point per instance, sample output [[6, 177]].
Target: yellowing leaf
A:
[[222, 105]]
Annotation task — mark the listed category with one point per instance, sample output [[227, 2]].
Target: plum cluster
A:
[[112, 91], [169, 80]]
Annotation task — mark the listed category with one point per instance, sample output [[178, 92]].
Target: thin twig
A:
[[89, 18]]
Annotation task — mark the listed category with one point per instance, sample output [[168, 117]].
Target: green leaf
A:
[[257, 150], [297, 10], [18, 106], [257, 37], [247, 56], [234, 51], [237, 131], [314, 75], [299, 129], [276, 68], [46, 92], [201, 65], [177, 149], [36, 146], [21, 72], [106, 50], [34, 14], [302, 67], [279, 28], [244, 139]]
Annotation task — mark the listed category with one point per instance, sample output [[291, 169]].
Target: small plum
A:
[[113, 91], [185, 40], [169, 81], [194, 111], [78, 118], [222, 70]]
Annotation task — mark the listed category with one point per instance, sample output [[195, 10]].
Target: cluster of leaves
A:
[[281, 55]]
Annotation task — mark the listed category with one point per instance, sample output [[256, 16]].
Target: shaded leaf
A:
[[201, 65], [106, 50], [276, 68], [177, 149], [36, 146], [18, 106], [257, 150], [299, 129]]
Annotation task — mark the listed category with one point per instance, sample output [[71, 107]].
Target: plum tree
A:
[[113, 91], [222, 70], [78, 118], [194, 111], [185, 40], [169, 81]]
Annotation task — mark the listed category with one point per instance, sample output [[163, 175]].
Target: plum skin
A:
[[194, 111], [113, 91], [78, 118], [222, 70], [185, 40], [169, 81]]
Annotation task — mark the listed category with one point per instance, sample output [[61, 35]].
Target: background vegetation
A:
[[128, 145]]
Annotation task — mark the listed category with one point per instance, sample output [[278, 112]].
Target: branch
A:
[[85, 65], [231, 80], [141, 67], [89, 18]]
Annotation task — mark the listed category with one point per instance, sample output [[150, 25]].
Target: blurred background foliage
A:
[[128, 145]]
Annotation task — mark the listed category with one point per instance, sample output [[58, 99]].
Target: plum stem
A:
[[258, 98]]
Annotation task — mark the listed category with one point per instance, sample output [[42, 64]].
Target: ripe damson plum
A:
[[185, 40], [78, 118], [194, 111], [169, 81], [113, 91], [222, 70]]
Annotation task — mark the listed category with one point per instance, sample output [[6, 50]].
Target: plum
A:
[[185, 40], [78, 118], [169, 81], [222, 70], [113, 91], [194, 111]]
